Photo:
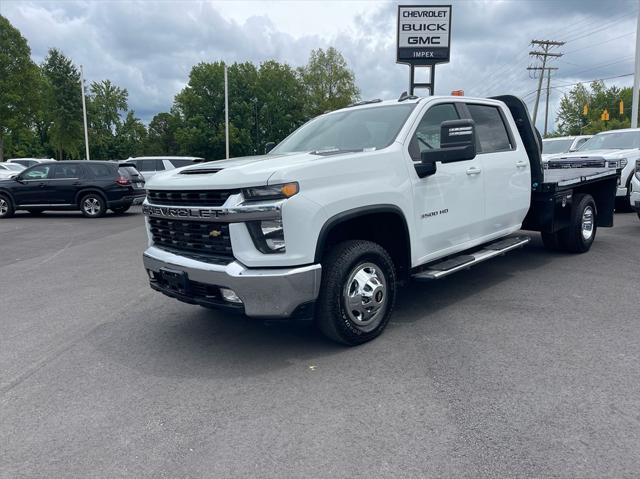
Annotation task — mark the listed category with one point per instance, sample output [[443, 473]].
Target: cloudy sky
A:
[[150, 46]]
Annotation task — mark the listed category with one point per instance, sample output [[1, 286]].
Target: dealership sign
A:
[[424, 34]]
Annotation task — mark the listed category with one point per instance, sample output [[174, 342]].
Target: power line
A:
[[599, 43], [543, 54]]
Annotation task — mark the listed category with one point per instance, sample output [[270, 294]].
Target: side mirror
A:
[[269, 146], [427, 165], [457, 142]]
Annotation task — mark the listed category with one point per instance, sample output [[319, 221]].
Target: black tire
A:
[[576, 238], [6, 207], [35, 212], [92, 205], [340, 264], [121, 209], [552, 241]]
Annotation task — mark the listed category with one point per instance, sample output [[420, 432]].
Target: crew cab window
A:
[[66, 171], [490, 128], [40, 172], [427, 135]]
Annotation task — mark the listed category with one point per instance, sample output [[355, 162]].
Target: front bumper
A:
[[265, 292]]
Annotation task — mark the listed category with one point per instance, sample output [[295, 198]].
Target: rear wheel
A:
[[581, 233], [92, 205], [6, 207], [357, 292]]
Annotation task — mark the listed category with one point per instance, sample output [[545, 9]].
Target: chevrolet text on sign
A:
[[424, 34]]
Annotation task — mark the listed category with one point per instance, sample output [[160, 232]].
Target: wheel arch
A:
[[378, 223], [85, 191], [8, 194]]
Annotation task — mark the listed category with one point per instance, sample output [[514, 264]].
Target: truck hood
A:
[[229, 174]]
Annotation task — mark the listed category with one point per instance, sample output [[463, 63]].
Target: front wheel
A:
[[357, 292], [92, 205], [6, 207], [581, 232]]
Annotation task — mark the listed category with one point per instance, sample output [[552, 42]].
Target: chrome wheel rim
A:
[[365, 296], [587, 223], [91, 206], [4, 207]]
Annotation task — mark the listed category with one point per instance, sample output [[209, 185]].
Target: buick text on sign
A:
[[424, 34]]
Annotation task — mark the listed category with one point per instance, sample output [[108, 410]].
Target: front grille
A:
[[189, 198], [203, 238]]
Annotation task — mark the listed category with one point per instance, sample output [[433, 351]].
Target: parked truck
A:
[[329, 222]]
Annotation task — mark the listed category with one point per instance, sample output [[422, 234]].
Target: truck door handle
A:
[[474, 171], [42, 185], [521, 164]]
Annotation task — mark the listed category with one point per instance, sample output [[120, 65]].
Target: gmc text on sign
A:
[[424, 34]]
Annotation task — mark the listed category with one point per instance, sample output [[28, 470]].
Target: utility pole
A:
[[636, 79], [226, 111], [84, 115], [544, 53]]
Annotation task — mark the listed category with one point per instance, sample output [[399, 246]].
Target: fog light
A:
[[230, 295]]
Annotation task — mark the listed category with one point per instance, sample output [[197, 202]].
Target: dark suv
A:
[[89, 186]]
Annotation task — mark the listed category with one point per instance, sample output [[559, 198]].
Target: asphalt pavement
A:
[[525, 366]]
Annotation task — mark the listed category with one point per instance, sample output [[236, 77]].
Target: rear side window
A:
[[159, 165], [490, 128], [100, 171], [128, 172], [146, 165], [179, 163], [62, 171]]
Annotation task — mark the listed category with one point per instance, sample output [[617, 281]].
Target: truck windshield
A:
[[349, 130], [621, 140], [556, 146]]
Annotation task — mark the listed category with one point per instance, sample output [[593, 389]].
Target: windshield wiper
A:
[[336, 151]]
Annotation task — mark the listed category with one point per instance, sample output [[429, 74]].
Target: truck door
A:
[[449, 206], [505, 169]]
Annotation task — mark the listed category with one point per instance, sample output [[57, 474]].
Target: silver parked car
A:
[[7, 170], [150, 165]]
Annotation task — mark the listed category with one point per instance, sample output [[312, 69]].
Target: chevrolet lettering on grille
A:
[[195, 213]]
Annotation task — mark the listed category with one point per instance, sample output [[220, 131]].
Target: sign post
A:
[[424, 39]]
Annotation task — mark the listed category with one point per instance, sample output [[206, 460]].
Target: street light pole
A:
[[636, 79], [226, 111], [84, 115]]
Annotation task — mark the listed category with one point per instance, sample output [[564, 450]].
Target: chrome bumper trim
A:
[[220, 214], [265, 292]]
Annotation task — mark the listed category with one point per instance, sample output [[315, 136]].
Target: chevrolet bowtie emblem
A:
[[215, 233]]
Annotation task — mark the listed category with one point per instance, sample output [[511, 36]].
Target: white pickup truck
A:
[[330, 220], [615, 149]]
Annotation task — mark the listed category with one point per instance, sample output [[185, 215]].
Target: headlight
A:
[[267, 236], [272, 192], [623, 162]]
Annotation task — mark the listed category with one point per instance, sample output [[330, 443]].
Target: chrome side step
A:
[[466, 260]]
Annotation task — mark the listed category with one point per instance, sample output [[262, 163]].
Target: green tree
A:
[[161, 135], [18, 83], [279, 103], [328, 82], [131, 137], [572, 119], [107, 104], [65, 105]]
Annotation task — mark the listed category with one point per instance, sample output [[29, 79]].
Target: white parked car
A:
[[150, 165], [562, 144], [330, 220], [615, 149], [27, 162], [634, 197], [7, 170]]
